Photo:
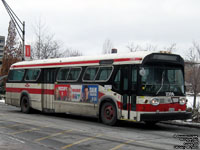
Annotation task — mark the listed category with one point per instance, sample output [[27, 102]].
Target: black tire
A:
[[108, 114], [25, 105]]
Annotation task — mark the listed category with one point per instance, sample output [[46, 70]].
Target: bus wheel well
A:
[[103, 102], [24, 94], [25, 104]]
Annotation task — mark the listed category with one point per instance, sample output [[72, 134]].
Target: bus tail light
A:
[[155, 101], [182, 101]]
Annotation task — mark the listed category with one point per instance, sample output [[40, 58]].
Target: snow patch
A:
[[2, 100], [191, 99]]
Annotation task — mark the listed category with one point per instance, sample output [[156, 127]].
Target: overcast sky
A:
[[86, 24]]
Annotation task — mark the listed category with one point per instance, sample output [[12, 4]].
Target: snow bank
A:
[[2, 100], [191, 99]]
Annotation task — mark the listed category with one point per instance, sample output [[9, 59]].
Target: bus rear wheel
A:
[[25, 105], [108, 114]]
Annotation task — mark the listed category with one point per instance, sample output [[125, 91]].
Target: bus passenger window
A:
[[104, 73], [62, 74], [134, 79], [90, 73], [32, 74], [116, 84], [125, 78], [16, 75], [74, 74]]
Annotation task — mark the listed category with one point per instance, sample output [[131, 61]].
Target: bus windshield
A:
[[163, 81]]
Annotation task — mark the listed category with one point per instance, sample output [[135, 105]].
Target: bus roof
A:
[[117, 58]]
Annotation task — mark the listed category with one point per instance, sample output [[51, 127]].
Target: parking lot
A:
[[61, 131]]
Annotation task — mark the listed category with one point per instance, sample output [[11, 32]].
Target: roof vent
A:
[[114, 50]]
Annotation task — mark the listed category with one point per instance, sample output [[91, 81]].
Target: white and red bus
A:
[[137, 86]]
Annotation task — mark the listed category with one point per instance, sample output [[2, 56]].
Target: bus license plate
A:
[[171, 109], [175, 99]]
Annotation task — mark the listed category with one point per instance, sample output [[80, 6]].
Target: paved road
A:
[[39, 131]]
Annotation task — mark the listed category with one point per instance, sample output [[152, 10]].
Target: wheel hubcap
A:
[[108, 112]]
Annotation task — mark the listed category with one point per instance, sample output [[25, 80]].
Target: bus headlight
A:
[[182, 101], [155, 101]]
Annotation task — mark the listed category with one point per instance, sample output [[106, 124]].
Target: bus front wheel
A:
[[108, 113], [25, 105]]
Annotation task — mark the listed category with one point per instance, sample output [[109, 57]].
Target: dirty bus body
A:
[[138, 86]]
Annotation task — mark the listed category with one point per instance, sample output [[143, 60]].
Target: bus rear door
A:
[[48, 90]]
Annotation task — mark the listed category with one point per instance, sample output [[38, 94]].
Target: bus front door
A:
[[128, 89], [48, 90]]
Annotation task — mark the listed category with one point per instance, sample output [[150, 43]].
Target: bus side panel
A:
[[13, 92], [85, 109], [8, 94]]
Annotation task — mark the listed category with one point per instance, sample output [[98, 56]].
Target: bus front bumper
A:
[[165, 116]]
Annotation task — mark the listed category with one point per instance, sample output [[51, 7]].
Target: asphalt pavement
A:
[[41, 131]]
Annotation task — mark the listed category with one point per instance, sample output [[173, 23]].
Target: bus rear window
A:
[[16, 75]]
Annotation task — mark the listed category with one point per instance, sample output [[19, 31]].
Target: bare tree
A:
[[44, 46], [171, 48], [107, 47], [193, 70], [132, 47], [70, 52], [150, 47]]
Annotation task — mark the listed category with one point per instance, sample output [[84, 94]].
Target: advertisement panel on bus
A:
[[76, 93]]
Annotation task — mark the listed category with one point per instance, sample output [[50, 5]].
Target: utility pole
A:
[[19, 25]]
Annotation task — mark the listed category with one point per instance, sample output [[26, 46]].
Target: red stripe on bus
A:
[[31, 91], [151, 108], [74, 63], [100, 94], [48, 92], [160, 107]]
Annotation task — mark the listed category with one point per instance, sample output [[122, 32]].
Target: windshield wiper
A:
[[162, 82]]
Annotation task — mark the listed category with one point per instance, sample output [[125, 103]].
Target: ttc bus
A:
[[137, 86]]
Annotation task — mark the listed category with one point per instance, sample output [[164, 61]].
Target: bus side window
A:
[[90, 73], [125, 78], [74, 74], [62, 74], [117, 78], [32, 74], [16, 75], [134, 79], [104, 73]]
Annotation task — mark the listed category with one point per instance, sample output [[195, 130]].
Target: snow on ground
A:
[[2, 100], [191, 99]]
